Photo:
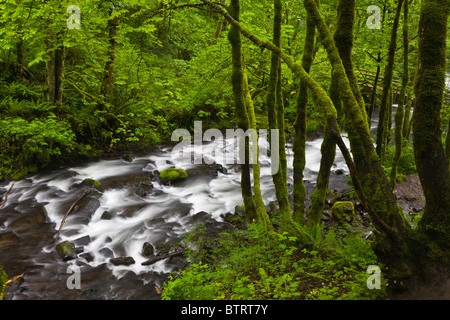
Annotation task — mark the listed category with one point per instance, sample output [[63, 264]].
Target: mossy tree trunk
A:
[[400, 112], [343, 37], [392, 228], [370, 173], [431, 162], [299, 145], [387, 83], [393, 242], [54, 67], [261, 212], [447, 142], [243, 122], [374, 92], [220, 24], [275, 109], [107, 83]]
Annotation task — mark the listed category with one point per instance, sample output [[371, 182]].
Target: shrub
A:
[[26, 146]]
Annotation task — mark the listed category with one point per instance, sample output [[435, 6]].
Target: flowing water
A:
[[133, 208]]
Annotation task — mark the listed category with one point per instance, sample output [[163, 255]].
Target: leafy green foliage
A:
[[407, 162], [25, 146], [251, 264], [3, 280]]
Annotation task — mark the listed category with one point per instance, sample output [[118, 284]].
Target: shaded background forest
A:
[[137, 70]]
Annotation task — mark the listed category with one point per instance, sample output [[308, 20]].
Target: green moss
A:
[[92, 183], [343, 211], [173, 174]]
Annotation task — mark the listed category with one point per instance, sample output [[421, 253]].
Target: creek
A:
[[134, 215]]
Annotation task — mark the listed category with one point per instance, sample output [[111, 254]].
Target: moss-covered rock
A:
[[343, 211], [172, 174], [92, 183], [66, 250]]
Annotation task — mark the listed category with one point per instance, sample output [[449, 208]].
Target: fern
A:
[[312, 237], [257, 232]]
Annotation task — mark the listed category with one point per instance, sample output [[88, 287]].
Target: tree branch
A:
[[6, 196]]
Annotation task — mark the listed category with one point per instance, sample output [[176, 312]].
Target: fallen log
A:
[[70, 209], [6, 196], [162, 257]]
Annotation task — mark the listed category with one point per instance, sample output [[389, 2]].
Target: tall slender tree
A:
[[343, 37], [274, 101], [107, 82], [385, 115], [299, 145], [400, 112], [243, 122], [431, 162]]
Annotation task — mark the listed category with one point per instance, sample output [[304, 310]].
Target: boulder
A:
[[201, 216], [106, 215], [172, 174], [239, 210], [143, 189], [209, 170], [107, 252], [235, 219], [87, 256], [160, 257], [85, 208], [66, 250], [83, 241], [128, 157], [343, 211], [91, 183], [122, 261], [147, 250]]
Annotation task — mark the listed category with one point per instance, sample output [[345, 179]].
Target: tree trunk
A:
[[299, 144], [54, 68], [400, 113], [276, 118], [370, 173], [392, 228], [447, 143], [431, 162], [261, 212], [387, 83], [343, 37], [107, 83], [20, 53], [220, 24], [374, 92], [237, 79]]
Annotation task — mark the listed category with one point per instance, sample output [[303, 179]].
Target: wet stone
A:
[[122, 261], [147, 249], [66, 250]]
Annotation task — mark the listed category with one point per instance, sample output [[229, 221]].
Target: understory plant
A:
[[248, 264]]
